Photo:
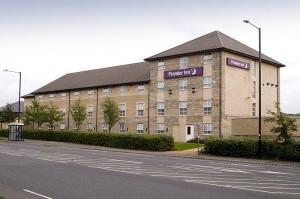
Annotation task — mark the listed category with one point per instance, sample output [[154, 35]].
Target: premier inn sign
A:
[[237, 63], [188, 72]]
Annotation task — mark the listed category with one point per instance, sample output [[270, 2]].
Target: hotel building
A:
[[198, 87]]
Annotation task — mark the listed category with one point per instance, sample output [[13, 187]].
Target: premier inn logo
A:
[[188, 72], [237, 63]]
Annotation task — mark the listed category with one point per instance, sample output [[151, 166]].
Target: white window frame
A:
[[104, 127], [161, 64], [160, 86], [254, 89], [207, 58], [63, 112], [105, 91], [123, 90], [183, 108], [253, 109], [89, 126], [207, 82], [90, 93], [141, 88], [253, 70], [122, 127], [140, 112], [62, 126], [40, 97], [183, 84], [160, 128], [63, 96], [90, 111], [183, 62], [140, 128], [207, 128], [160, 107], [76, 94], [207, 107], [51, 96], [122, 109]]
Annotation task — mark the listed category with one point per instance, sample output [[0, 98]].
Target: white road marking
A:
[[37, 194], [237, 187]]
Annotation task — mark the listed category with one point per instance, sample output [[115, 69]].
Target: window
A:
[[122, 108], [40, 97], [207, 58], [161, 64], [207, 82], [89, 111], [62, 126], [207, 107], [160, 85], [63, 112], [76, 94], [122, 127], [183, 84], [104, 127], [206, 128], [160, 128], [122, 90], [105, 91], [141, 88], [51, 96], [183, 62], [253, 89], [75, 127], [140, 109], [89, 126], [63, 96], [160, 108], [253, 109], [90, 93], [253, 70], [182, 108], [140, 128]]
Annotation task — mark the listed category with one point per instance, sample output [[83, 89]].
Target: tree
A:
[[27, 116], [284, 125], [7, 114], [53, 115], [111, 113], [38, 113], [78, 114]]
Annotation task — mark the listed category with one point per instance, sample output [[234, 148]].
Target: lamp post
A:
[[259, 86], [19, 111]]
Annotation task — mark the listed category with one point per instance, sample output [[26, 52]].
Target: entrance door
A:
[[189, 133]]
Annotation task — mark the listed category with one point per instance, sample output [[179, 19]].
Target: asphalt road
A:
[[68, 172]]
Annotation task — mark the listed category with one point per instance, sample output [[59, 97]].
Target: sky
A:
[[45, 39]]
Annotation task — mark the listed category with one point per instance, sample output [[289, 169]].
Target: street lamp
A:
[[19, 111], [259, 87]]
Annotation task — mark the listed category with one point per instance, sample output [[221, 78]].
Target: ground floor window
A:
[[104, 127], [160, 128], [89, 126], [62, 126], [121, 127], [253, 109], [206, 128], [140, 128]]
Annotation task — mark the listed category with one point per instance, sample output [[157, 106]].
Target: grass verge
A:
[[179, 146]]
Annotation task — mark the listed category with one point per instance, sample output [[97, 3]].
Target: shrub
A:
[[247, 147], [115, 140]]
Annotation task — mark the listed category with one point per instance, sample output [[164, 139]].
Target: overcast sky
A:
[[47, 38]]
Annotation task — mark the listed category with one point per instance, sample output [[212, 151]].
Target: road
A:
[[30, 171]]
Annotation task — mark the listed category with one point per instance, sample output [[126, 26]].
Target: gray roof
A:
[[15, 107], [110, 76], [211, 42]]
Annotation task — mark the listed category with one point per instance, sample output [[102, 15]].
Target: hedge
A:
[[115, 140], [247, 147]]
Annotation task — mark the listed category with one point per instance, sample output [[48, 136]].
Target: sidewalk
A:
[[191, 153]]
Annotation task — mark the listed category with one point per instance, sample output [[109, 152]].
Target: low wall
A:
[[249, 127]]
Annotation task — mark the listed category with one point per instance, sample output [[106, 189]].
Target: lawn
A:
[[1, 197], [2, 138], [179, 146]]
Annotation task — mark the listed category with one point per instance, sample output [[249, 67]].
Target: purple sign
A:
[[237, 63], [188, 72]]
